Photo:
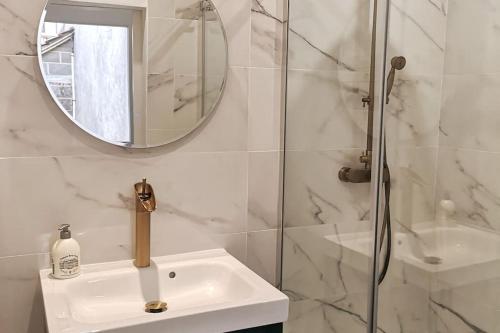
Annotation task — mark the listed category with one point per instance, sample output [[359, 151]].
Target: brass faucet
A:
[[145, 203]]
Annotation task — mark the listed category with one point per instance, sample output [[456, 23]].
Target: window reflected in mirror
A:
[[88, 69], [131, 75]]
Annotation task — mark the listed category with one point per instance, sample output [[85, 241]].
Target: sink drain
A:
[[433, 260], [156, 307]]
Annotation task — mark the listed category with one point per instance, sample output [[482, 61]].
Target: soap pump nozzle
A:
[[65, 233]]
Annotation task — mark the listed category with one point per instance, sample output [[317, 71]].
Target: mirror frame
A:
[[196, 126]]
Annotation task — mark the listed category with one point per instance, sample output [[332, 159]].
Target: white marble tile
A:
[[324, 110], [266, 49], [213, 86], [304, 268], [264, 111], [160, 136], [21, 304], [275, 8], [336, 35], [413, 177], [235, 16], [226, 129], [324, 317], [396, 313], [188, 101], [316, 268], [465, 176], [187, 52], [348, 314], [418, 32], [235, 244], [202, 192], [473, 39], [19, 26], [173, 44], [170, 238], [470, 117], [187, 9], [202, 197], [331, 35], [160, 100], [314, 195], [451, 312], [162, 35], [306, 316], [262, 254], [413, 112], [161, 8], [32, 124], [216, 48], [263, 190], [316, 272]]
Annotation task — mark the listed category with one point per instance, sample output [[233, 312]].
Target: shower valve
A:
[[366, 100]]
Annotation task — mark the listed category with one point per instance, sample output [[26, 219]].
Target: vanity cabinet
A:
[[275, 328]]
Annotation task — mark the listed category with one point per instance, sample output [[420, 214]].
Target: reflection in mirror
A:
[[134, 73]]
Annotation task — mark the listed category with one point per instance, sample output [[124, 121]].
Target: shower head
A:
[[398, 63]]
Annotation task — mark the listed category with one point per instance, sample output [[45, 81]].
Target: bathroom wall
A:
[[329, 59], [469, 138], [417, 32], [216, 188], [469, 163]]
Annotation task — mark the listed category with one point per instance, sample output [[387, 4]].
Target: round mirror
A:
[[134, 73]]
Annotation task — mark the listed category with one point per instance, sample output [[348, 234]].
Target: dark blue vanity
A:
[[275, 328]]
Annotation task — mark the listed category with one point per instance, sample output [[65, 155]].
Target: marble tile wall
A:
[[468, 158], [327, 77], [328, 60], [418, 31], [216, 188], [469, 122]]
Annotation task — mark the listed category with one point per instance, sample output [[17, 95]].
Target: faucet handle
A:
[[144, 191], [145, 195]]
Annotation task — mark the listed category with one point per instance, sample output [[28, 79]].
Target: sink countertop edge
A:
[[269, 304]]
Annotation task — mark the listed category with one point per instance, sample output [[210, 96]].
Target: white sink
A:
[[211, 292]]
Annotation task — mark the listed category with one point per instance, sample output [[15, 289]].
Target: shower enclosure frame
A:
[[378, 87], [378, 91]]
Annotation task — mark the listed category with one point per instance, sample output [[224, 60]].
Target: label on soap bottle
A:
[[69, 265]]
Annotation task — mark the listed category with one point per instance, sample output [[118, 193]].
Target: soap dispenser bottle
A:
[[446, 211], [65, 255]]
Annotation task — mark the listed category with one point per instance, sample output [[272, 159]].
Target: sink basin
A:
[[206, 291]]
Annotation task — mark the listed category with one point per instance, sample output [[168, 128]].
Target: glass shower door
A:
[[443, 145], [329, 225]]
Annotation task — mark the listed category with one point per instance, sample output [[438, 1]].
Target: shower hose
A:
[[386, 225]]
